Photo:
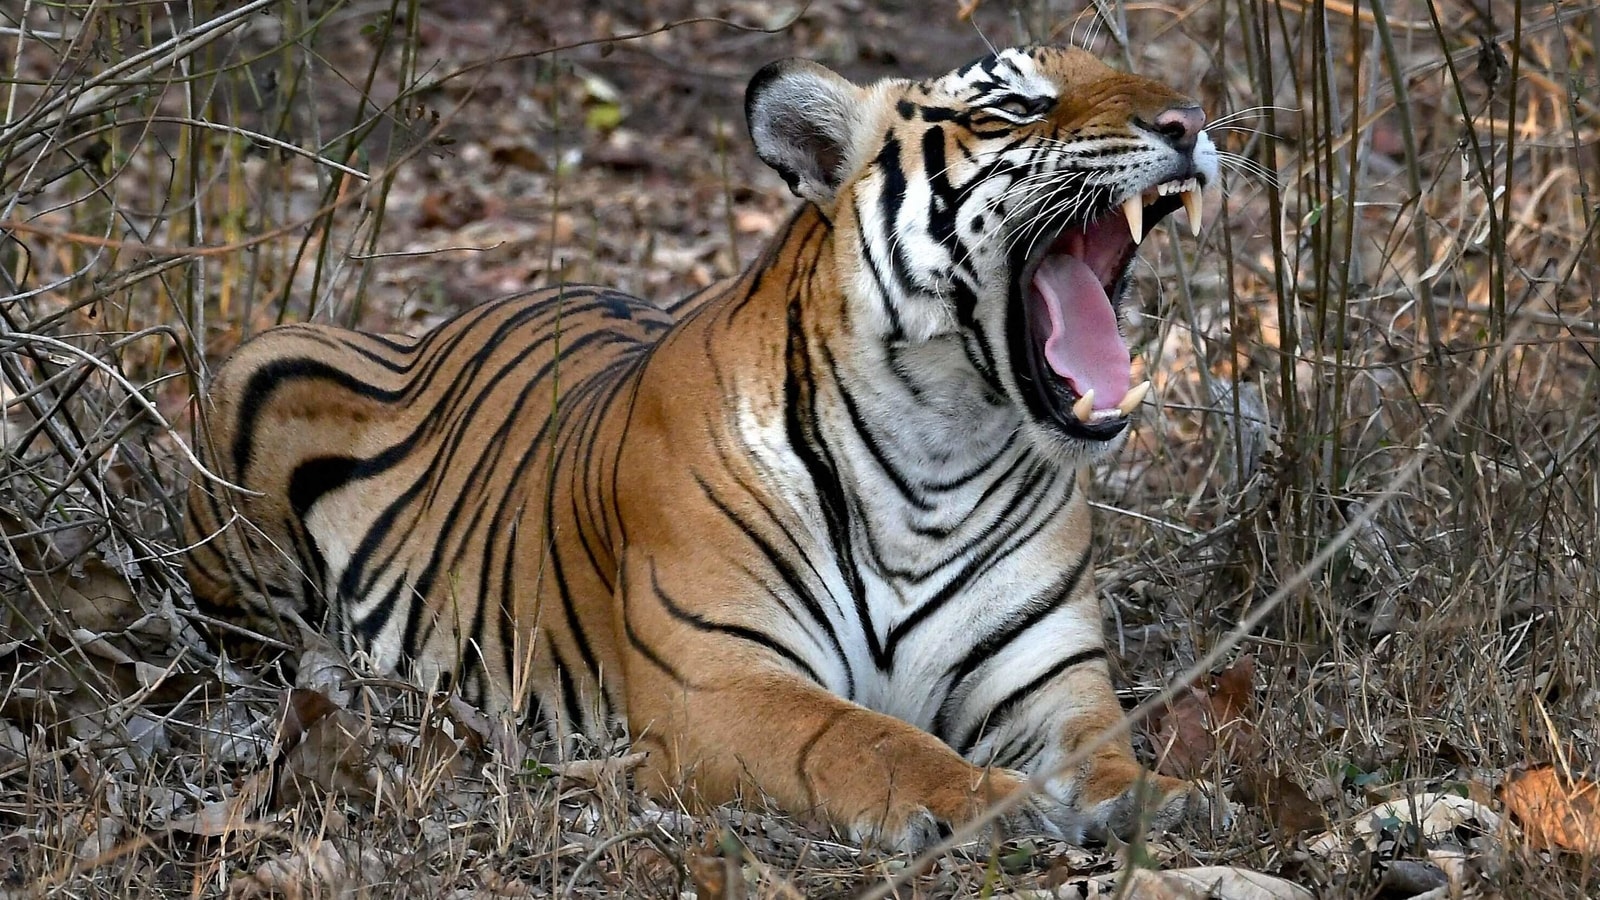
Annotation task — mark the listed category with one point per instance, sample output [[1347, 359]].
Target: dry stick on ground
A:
[[651, 833], [1227, 643]]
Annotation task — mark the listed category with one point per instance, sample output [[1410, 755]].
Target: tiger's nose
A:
[[1180, 125]]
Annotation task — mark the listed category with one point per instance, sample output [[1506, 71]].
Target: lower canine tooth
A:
[[1133, 210], [1195, 208], [1134, 397], [1084, 407]]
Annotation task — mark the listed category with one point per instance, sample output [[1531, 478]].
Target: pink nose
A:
[[1180, 125]]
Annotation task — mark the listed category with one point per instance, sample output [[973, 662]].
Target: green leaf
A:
[[1018, 860], [603, 116]]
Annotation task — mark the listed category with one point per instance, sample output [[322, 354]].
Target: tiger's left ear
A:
[[802, 116]]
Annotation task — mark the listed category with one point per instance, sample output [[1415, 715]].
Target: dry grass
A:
[[1379, 434]]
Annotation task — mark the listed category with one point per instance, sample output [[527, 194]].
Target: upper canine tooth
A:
[[1133, 209], [1134, 397], [1085, 406], [1193, 205]]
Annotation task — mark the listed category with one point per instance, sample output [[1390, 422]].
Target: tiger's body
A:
[[820, 536]]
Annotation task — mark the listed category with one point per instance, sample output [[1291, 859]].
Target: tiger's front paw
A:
[[1157, 803], [911, 831], [916, 827]]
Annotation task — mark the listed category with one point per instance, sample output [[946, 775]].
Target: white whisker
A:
[[1248, 168], [1254, 111], [1244, 129], [981, 36]]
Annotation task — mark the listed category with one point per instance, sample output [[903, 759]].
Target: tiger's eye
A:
[[1024, 107]]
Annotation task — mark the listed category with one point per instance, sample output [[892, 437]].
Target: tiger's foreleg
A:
[[1101, 788], [722, 715], [770, 736], [1067, 732]]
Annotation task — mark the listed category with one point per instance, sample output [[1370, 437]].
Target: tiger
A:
[[816, 538]]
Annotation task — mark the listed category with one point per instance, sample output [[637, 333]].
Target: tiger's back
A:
[[361, 450]]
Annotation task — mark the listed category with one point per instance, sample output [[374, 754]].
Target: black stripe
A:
[[743, 632], [1031, 614], [507, 620], [569, 698], [1003, 479], [908, 491], [786, 571], [890, 203], [993, 643], [1000, 711], [309, 481], [637, 641], [278, 373], [985, 544], [802, 430]]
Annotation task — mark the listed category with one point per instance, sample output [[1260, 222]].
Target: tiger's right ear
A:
[[802, 116]]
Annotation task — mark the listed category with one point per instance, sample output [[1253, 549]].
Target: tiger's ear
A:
[[802, 117]]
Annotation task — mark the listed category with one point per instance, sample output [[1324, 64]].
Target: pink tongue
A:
[[1084, 346]]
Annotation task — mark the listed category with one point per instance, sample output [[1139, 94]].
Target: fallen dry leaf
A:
[[1233, 883], [98, 600], [481, 734], [449, 209], [333, 756], [1457, 865], [518, 154], [755, 221], [101, 840], [494, 884], [1182, 734], [1556, 813], [1411, 878], [301, 709], [1434, 815], [717, 869], [1195, 883], [715, 878], [1148, 884], [235, 813], [323, 667], [1190, 730], [1286, 805], [319, 870]]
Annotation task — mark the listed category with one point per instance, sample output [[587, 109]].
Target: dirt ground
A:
[[1377, 456]]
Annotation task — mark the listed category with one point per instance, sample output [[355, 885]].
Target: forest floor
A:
[[1368, 501]]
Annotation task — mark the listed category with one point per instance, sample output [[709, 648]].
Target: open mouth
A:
[[1074, 365]]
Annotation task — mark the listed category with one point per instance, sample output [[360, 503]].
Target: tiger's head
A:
[[998, 207]]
